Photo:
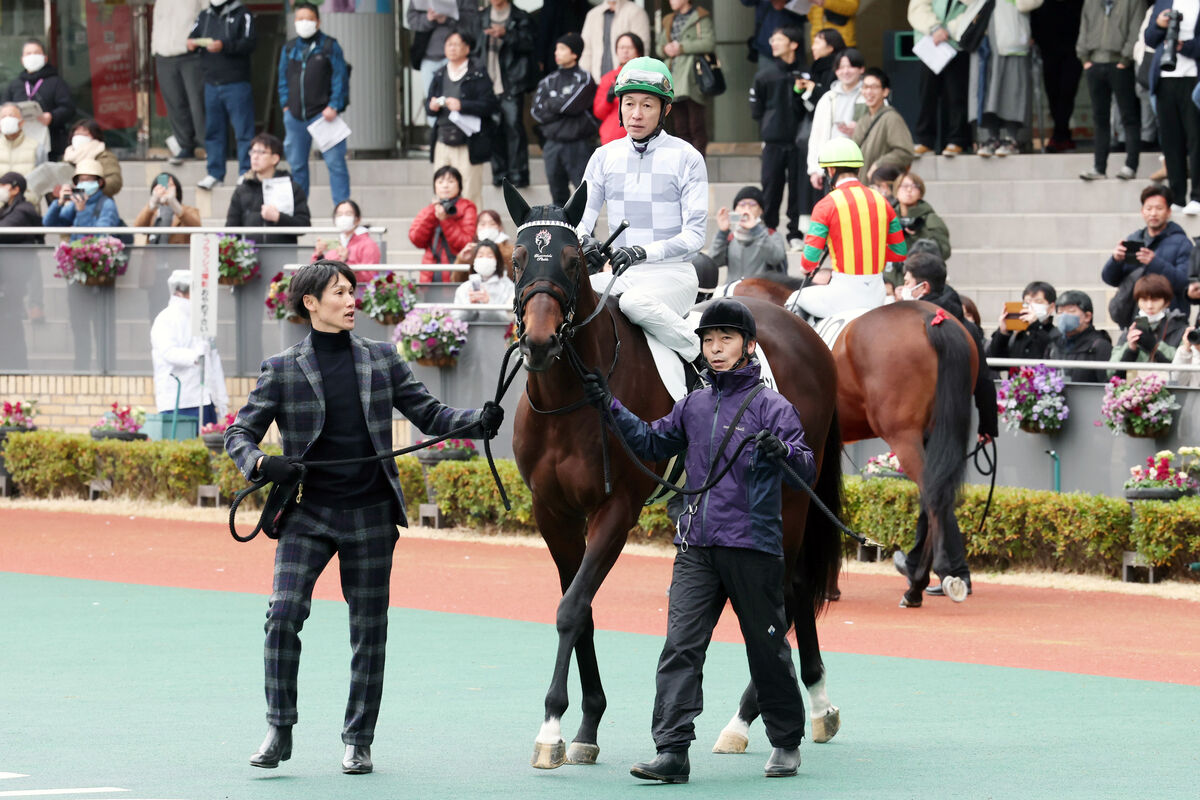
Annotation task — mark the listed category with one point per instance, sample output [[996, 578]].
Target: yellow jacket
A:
[[845, 8]]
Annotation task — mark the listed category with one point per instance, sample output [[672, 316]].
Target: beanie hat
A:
[[750, 193], [572, 40], [15, 179], [1073, 297]]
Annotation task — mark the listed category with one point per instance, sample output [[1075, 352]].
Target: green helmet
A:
[[645, 74], [840, 152]]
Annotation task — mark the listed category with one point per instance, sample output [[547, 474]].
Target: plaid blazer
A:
[[290, 393]]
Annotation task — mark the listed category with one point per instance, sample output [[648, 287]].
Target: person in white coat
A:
[[195, 361], [836, 110]]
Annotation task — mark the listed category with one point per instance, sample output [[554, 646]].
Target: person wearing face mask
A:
[[87, 144], [40, 82], [1157, 329], [747, 246], [314, 83], [835, 112], [354, 244], [1081, 341], [166, 209], [16, 211], [486, 284], [489, 229], [84, 205], [1035, 340], [18, 152]]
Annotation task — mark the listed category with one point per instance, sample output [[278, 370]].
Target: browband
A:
[[542, 223]]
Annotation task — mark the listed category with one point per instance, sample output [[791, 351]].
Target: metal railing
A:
[[395, 267], [97, 230], [1117, 366]]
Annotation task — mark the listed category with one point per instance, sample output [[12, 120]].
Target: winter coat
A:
[[18, 155], [697, 38], [562, 105], [443, 239], [1172, 254], [477, 99], [1154, 38], [766, 252], [188, 217], [1110, 37], [245, 210], [113, 181], [1011, 27], [926, 224], [54, 96], [926, 16], [884, 139], [174, 351], [629, 17], [778, 110], [605, 108], [100, 211], [984, 392], [518, 68], [836, 14], [743, 509], [313, 76], [1186, 353], [431, 38], [1163, 339], [767, 20], [1033, 342], [1088, 344], [234, 26], [824, 120], [20, 214]]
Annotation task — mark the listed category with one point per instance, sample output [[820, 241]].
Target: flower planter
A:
[[886, 474], [440, 361], [1167, 493], [215, 442], [1153, 433], [389, 319], [124, 436], [231, 280], [100, 280], [1031, 427]]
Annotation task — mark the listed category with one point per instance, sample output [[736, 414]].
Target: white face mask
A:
[[488, 234], [33, 62], [1040, 310], [306, 28], [1153, 318], [486, 267], [79, 141], [344, 224], [5, 195], [908, 292], [9, 125]]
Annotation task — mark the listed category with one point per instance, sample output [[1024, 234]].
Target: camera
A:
[[1193, 336], [450, 206], [1171, 42], [912, 223]]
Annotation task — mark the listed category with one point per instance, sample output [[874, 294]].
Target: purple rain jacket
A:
[[744, 509]]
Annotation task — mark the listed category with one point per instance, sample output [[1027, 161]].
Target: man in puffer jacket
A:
[[730, 540]]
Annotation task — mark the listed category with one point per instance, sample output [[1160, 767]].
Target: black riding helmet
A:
[[728, 313]]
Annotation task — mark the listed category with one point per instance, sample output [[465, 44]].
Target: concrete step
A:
[[1041, 196], [1034, 166]]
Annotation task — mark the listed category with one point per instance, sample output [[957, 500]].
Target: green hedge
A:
[[1027, 528]]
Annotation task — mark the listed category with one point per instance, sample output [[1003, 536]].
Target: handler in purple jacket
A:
[[730, 541]]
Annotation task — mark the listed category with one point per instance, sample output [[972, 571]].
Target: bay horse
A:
[[558, 442], [905, 375]]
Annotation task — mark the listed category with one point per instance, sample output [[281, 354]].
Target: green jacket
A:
[[927, 225], [884, 139], [1107, 38], [699, 37], [1167, 333]]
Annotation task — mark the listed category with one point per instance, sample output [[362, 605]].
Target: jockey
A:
[[660, 184], [861, 230]]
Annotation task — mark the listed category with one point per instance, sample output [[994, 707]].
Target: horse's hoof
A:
[[826, 727], [731, 742], [955, 588], [582, 753], [548, 756]]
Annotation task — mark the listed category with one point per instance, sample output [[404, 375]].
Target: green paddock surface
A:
[[151, 693]]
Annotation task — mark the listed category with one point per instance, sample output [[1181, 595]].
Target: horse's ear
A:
[[577, 204], [518, 209]]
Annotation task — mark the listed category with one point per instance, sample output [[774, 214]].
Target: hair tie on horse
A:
[[940, 317]]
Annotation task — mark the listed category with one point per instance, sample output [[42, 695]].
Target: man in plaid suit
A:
[[332, 397]]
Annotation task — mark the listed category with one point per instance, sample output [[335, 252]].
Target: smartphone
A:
[[1012, 315], [476, 282], [735, 217], [162, 180], [78, 193], [1131, 248]]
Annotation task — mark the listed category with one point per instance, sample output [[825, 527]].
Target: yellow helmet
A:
[[840, 152]]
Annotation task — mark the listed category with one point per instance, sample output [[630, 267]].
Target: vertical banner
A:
[[111, 58], [204, 284]]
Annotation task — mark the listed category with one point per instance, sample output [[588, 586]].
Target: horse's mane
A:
[[782, 279]]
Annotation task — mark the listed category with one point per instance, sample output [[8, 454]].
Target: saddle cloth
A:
[[829, 328]]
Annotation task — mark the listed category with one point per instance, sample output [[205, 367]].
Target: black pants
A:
[[944, 99], [510, 150], [1104, 81], [950, 558], [181, 81], [1179, 134], [565, 163], [1055, 27], [704, 578], [785, 165]]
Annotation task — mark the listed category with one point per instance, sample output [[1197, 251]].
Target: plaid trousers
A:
[[364, 539]]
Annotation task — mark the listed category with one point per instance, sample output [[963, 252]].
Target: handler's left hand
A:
[[771, 447], [491, 418]]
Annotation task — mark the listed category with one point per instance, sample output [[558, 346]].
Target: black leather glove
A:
[[625, 257], [279, 469], [770, 446], [596, 391], [491, 418], [590, 247]]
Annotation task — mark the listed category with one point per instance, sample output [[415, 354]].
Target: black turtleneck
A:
[[344, 434]]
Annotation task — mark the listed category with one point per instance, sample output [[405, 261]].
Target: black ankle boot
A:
[[357, 760], [783, 763], [275, 748], [668, 766]]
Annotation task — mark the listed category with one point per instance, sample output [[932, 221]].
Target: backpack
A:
[[973, 34]]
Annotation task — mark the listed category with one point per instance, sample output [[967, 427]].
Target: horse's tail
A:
[[945, 450], [822, 556]]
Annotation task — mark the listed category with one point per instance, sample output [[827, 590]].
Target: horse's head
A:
[[549, 272]]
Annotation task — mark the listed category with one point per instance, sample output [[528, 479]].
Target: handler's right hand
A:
[[596, 391], [278, 469]]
